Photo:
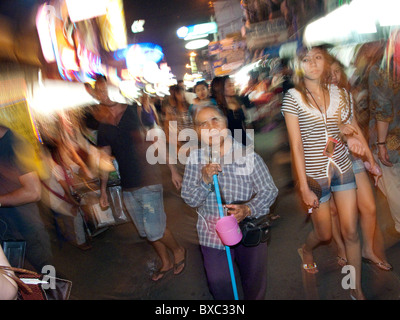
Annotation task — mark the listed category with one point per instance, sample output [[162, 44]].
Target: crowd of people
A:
[[342, 132]]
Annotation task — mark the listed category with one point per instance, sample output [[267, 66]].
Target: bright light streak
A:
[[54, 95], [182, 32], [44, 15], [137, 26], [82, 10], [197, 44]]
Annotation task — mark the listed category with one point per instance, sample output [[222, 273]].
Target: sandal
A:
[[159, 274], [308, 267], [341, 261], [179, 264], [385, 266]]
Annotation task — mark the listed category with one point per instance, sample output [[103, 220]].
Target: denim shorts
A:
[[358, 165], [336, 181], [146, 208]]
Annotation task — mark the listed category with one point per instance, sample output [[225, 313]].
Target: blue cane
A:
[[228, 250]]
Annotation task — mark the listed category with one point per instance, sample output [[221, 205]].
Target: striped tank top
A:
[[315, 131]]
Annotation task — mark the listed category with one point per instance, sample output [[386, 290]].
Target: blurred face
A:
[[313, 64], [211, 126], [144, 99], [335, 73], [201, 92], [229, 88], [101, 92]]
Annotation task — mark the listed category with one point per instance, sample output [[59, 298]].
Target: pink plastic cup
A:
[[228, 230]]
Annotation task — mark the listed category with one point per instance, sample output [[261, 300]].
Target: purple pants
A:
[[250, 264]]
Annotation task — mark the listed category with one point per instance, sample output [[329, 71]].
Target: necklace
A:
[[324, 105], [324, 117]]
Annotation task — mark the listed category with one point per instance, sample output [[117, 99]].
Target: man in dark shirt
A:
[[20, 190], [119, 135]]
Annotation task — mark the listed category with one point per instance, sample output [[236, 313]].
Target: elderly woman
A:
[[244, 179]]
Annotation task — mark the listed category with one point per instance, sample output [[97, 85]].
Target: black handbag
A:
[[255, 230]]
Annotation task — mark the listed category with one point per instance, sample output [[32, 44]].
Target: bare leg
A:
[[337, 236], [168, 242], [346, 203], [373, 244], [322, 232]]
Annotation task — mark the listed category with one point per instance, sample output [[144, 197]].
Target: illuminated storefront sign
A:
[[65, 43], [197, 31], [197, 44]]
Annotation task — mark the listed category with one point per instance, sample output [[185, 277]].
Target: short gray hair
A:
[[196, 110]]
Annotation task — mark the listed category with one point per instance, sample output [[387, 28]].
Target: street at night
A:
[[205, 152]]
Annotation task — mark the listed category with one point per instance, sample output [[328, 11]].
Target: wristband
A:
[[381, 143]]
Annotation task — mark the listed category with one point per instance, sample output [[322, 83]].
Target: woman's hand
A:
[[355, 146], [176, 179], [347, 129], [239, 211], [375, 170], [309, 198], [209, 170], [383, 155]]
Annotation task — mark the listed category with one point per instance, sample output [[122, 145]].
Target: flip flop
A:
[[308, 267], [341, 261], [159, 273], [179, 264], [381, 265]]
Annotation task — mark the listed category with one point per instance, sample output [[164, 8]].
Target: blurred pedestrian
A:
[[252, 187], [311, 111], [147, 112], [373, 247], [8, 287], [20, 191], [384, 125], [224, 93], [202, 91], [178, 127], [119, 135]]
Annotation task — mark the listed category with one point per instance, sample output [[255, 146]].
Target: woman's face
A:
[[201, 92], [211, 126], [229, 88], [144, 99], [313, 64], [335, 73]]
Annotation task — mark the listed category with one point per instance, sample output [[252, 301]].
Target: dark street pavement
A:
[[120, 263]]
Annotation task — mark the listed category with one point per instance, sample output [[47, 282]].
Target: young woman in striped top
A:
[[312, 110]]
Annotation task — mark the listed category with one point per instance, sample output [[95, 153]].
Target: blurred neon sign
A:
[[197, 31], [143, 51]]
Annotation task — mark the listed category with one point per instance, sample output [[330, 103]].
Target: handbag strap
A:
[[57, 194], [9, 272]]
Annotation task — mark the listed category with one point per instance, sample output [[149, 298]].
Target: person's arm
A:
[[381, 101], [155, 113], [264, 189], [382, 130], [30, 191], [105, 152], [296, 145], [8, 287], [197, 183]]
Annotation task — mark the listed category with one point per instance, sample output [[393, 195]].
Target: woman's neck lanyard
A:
[[331, 143], [324, 116]]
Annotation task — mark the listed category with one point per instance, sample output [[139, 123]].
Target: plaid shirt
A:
[[246, 179]]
